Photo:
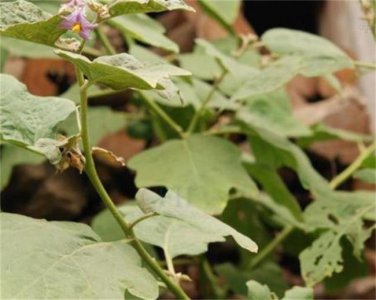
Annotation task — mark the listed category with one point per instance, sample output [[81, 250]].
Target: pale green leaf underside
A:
[[179, 215], [25, 21], [63, 260], [202, 169], [145, 29], [122, 7], [30, 121], [320, 56], [122, 71], [341, 215]]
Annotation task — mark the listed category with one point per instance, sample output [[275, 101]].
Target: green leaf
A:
[[272, 111], [275, 187], [271, 78], [341, 215], [12, 156], [275, 151], [202, 169], [123, 7], [225, 11], [102, 120], [63, 260], [298, 293], [122, 71], [257, 291], [30, 121], [322, 132], [144, 29], [182, 228], [25, 21], [319, 56], [366, 175], [26, 49]]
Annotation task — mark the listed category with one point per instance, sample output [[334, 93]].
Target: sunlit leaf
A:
[[366, 175], [63, 260], [202, 169]]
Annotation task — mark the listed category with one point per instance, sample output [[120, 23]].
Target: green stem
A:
[[356, 164], [211, 279], [105, 41], [272, 245], [94, 178], [155, 107], [206, 101], [365, 65], [140, 219]]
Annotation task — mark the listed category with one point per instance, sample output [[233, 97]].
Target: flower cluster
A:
[[74, 16]]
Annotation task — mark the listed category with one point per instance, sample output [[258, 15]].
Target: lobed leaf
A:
[[202, 169], [64, 260], [341, 215], [30, 121], [25, 21], [122, 71]]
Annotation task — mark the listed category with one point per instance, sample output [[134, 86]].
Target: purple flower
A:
[[78, 23]]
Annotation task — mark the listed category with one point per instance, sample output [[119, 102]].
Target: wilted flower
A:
[[78, 23]]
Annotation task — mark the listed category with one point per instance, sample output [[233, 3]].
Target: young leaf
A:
[[63, 260], [298, 293], [144, 29], [122, 71], [123, 7], [319, 56], [202, 169], [25, 21], [30, 121], [180, 218], [341, 215]]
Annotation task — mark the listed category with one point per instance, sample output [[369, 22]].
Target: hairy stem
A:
[[356, 164], [94, 178], [365, 65]]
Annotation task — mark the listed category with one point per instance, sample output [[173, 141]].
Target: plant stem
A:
[[356, 164], [94, 178], [365, 65], [163, 115], [104, 40], [144, 217], [206, 101], [272, 245]]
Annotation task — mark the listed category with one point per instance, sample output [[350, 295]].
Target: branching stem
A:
[[104, 40], [94, 178]]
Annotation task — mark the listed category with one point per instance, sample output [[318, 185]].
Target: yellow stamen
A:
[[76, 28]]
